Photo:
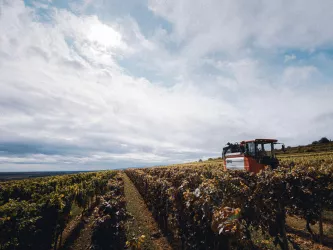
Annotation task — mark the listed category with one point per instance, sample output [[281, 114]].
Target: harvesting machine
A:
[[253, 155]]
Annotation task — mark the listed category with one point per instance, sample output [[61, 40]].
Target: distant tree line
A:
[[323, 140]]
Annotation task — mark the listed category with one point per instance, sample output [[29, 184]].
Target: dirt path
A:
[[79, 232], [297, 232], [142, 222]]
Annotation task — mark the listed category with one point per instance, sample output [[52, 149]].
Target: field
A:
[[184, 206], [6, 176]]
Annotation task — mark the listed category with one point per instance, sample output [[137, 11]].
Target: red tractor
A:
[[253, 155]]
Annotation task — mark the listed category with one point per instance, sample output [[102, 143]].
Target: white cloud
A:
[[230, 25], [89, 29], [297, 75], [288, 58]]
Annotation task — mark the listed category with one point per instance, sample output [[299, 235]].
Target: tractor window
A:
[[251, 148], [261, 150], [268, 149]]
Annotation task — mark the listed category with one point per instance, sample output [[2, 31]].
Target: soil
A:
[[142, 221], [77, 234]]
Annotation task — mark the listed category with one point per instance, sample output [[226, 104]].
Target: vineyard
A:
[[196, 206], [35, 212], [202, 207]]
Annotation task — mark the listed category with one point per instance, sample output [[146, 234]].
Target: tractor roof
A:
[[260, 140]]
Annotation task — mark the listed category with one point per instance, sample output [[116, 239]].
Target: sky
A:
[[102, 84]]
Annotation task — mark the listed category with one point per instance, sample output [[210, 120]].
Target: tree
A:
[[200, 160], [324, 140]]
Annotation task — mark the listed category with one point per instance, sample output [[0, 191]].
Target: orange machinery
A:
[[253, 155]]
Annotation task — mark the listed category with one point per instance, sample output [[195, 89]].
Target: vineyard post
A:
[[309, 228], [60, 241], [56, 240], [282, 224], [321, 233]]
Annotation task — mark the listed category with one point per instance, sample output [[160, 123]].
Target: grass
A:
[[298, 236], [142, 222], [297, 227], [328, 216], [75, 211]]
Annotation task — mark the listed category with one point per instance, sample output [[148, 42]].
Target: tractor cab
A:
[[253, 155]]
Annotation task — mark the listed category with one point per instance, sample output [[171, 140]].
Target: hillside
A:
[[310, 148]]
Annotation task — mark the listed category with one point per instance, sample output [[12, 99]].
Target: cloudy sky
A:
[[95, 84]]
